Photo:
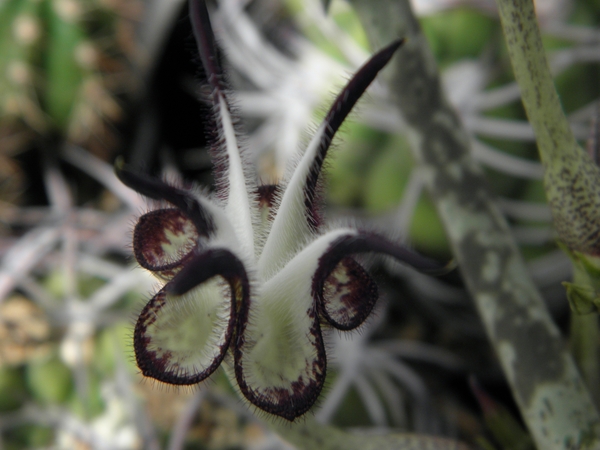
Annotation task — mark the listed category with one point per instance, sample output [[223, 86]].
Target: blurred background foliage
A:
[[83, 81]]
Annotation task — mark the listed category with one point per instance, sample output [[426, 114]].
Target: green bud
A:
[[581, 298], [584, 292], [573, 190], [64, 74]]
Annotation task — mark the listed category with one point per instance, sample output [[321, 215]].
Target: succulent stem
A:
[[551, 395], [571, 178]]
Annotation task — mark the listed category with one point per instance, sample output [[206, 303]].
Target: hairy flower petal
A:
[[183, 339], [205, 250], [231, 179], [159, 190], [163, 241], [212, 262], [297, 216], [348, 296], [344, 292], [279, 355], [364, 242], [280, 359]]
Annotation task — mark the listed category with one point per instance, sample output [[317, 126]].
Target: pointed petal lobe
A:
[[226, 154], [297, 216], [182, 199], [338, 112]]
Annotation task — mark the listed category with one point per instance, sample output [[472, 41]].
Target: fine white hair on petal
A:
[[258, 274]]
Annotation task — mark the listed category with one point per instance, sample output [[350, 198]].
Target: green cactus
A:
[[20, 33], [52, 79]]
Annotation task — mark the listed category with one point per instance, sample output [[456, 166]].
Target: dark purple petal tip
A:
[[159, 190], [206, 265], [338, 112]]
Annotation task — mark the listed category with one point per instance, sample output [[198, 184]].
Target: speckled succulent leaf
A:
[[266, 308], [541, 381], [571, 175]]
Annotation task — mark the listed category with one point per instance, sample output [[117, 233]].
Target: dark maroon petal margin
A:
[[357, 295], [304, 395], [362, 242], [149, 235], [338, 112], [201, 268], [159, 190]]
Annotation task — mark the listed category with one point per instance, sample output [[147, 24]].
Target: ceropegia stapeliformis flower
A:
[[250, 271]]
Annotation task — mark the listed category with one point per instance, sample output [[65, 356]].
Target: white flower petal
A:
[[232, 182], [298, 215], [183, 339]]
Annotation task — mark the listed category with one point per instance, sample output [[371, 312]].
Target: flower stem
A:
[[584, 345], [308, 434]]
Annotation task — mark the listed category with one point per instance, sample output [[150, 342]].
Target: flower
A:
[[250, 273]]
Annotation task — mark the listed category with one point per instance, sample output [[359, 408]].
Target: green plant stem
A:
[[584, 335], [531, 71], [546, 385], [584, 346], [308, 434], [571, 178]]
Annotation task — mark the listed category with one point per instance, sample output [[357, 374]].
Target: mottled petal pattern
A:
[[163, 241], [183, 339], [349, 295], [280, 359]]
